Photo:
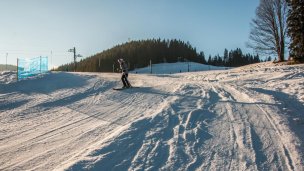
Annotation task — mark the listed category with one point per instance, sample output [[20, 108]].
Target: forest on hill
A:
[[140, 53]]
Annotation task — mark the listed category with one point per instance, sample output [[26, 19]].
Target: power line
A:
[[30, 51]]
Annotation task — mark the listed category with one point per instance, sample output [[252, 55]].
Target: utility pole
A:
[[150, 66], [99, 62], [75, 56], [6, 61], [52, 68], [188, 66], [17, 69], [74, 51]]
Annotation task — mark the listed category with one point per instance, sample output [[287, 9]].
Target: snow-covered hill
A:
[[248, 118], [179, 67]]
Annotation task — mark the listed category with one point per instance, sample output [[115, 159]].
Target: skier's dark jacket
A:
[[123, 67]]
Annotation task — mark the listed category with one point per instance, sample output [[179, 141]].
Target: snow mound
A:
[[7, 77], [263, 65]]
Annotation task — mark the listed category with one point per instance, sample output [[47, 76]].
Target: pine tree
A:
[[209, 60], [225, 56], [295, 23], [202, 57]]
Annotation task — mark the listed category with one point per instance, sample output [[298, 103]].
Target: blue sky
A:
[[31, 28]]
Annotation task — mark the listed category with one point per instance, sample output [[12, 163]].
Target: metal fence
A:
[[31, 67]]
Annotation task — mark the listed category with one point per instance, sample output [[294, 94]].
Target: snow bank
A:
[[7, 77]]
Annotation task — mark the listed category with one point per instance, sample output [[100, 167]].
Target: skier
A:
[[124, 76]]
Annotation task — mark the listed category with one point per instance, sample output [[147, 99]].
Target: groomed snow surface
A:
[[179, 67], [248, 118]]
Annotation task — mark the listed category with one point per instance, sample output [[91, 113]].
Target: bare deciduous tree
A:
[[269, 28]]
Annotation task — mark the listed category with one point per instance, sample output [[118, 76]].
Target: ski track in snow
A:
[[248, 118]]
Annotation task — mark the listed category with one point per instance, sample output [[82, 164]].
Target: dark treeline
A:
[[139, 53], [234, 58], [4, 67]]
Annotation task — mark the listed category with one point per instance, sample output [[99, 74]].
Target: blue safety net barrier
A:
[[31, 67]]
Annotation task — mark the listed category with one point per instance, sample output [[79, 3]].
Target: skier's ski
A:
[[121, 88]]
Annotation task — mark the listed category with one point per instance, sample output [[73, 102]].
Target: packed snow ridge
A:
[[7, 77], [248, 118]]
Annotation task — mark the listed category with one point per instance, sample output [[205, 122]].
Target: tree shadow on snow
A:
[[47, 83], [291, 107], [68, 100], [8, 105]]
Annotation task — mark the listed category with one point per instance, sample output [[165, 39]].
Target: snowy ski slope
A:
[[249, 118], [179, 67]]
